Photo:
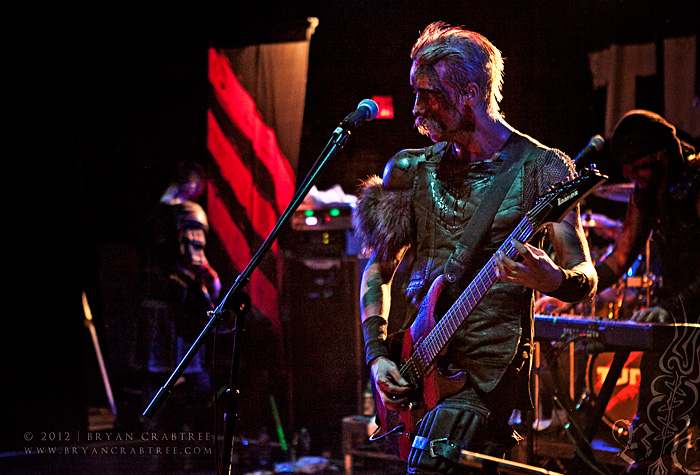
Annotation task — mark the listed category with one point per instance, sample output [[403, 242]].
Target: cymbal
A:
[[618, 192]]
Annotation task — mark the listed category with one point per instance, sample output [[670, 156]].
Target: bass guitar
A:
[[415, 350]]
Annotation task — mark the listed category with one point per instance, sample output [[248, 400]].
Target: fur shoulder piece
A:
[[383, 219]]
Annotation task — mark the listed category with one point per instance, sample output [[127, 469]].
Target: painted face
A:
[[647, 171], [437, 109]]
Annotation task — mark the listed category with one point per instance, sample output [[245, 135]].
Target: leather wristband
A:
[[573, 288], [374, 331]]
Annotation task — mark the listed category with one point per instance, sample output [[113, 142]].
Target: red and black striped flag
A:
[[253, 134]]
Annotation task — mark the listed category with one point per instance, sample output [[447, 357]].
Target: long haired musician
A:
[[665, 203]]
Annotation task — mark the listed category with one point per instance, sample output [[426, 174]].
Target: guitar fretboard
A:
[[425, 352]]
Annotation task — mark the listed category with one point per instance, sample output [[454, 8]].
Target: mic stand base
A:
[[242, 306]]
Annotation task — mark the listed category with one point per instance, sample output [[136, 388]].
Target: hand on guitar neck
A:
[[535, 269]]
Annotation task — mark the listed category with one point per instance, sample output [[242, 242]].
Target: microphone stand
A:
[[241, 303]]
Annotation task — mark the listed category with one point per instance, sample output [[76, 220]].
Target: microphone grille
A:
[[371, 105], [597, 142]]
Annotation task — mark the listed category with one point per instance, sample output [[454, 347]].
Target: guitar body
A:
[[400, 426]]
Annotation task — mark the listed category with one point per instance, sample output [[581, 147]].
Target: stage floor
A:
[[124, 453]]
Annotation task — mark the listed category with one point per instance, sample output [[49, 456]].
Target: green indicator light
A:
[[334, 212], [308, 213]]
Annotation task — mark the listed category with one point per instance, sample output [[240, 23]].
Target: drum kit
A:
[[634, 291]]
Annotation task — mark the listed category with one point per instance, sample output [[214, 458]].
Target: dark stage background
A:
[[137, 95]]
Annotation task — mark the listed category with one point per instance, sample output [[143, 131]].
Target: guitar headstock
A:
[[562, 197]]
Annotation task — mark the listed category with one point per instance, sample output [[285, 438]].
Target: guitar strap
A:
[[515, 152]]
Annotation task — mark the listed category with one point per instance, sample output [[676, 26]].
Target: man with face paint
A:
[[666, 204], [416, 213]]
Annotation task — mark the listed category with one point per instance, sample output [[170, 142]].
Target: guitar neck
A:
[[425, 352]]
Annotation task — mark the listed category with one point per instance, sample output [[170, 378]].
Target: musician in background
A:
[[665, 203], [181, 287], [417, 212]]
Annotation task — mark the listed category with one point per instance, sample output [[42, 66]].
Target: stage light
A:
[[386, 106]]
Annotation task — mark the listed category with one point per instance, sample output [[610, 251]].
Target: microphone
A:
[[595, 145], [366, 110]]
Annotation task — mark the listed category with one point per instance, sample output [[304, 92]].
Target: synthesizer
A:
[[612, 334]]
